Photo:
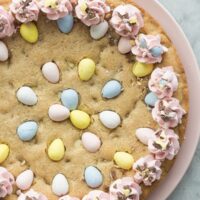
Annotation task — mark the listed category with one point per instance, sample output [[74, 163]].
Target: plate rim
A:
[[188, 59]]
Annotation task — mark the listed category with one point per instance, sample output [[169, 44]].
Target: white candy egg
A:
[[51, 72], [58, 112], [60, 185], [110, 119], [145, 134], [26, 96], [25, 180], [3, 52]]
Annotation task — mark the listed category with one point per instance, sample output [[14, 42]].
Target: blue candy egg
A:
[[111, 89], [151, 99], [143, 43], [27, 130], [93, 177], [66, 23], [156, 51], [70, 99]]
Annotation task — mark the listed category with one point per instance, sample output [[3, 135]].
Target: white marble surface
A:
[[187, 13]]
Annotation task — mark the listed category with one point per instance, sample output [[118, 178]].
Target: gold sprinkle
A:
[[133, 20]]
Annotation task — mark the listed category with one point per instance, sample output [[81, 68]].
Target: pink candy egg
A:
[[124, 45]]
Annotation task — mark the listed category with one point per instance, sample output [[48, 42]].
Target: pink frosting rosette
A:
[[148, 49], [127, 20], [91, 12], [55, 9], [7, 27], [32, 195], [126, 189], [165, 145], [96, 194], [6, 182], [163, 82], [168, 112], [67, 197], [25, 10], [147, 170]]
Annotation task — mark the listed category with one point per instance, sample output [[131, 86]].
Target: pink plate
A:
[[193, 77]]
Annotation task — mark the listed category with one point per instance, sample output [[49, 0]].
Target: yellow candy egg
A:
[[142, 69], [123, 160], [56, 150], [29, 32], [86, 69], [80, 119], [4, 152]]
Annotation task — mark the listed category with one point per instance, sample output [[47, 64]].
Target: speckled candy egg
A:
[[25, 180], [60, 185], [66, 23], [99, 30], [93, 177], [70, 99], [150, 99], [51, 72], [27, 130], [123, 160], [145, 134], [110, 119], [4, 152], [3, 52], [124, 45], [91, 142]]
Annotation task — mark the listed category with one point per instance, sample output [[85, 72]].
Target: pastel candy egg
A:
[[124, 45], [80, 119], [51, 72], [29, 32], [91, 142], [27, 130], [110, 119], [3, 52], [58, 112], [111, 89], [156, 51], [142, 69], [150, 99], [56, 150], [66, 23], [99, 30], [70, 99], [25, 180], [60, 185], [93, 177], [4, 152], [145, 134], [123, 160], [86, 69], [26, 96], [143, 43]]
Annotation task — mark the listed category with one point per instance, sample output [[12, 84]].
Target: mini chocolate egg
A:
[[145, 134], [3, 52], [156, 51], [124, 160], [58, 112], [70, 99], [25, 180], [60, 185], [4, 152], [91, 142], [150, 99], [93, 177], [86, 69], [56, 150], [80, 119], [29, 32], [143, 43], [26, 96], [51, 72], [142, 69], [99, 30], [124, 45], [110, 119], [111, 89], [27, 130], [66, 23]]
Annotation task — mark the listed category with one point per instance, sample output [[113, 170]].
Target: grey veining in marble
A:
[[187, 14]]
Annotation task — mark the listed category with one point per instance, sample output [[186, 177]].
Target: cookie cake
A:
[[94, 100]]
